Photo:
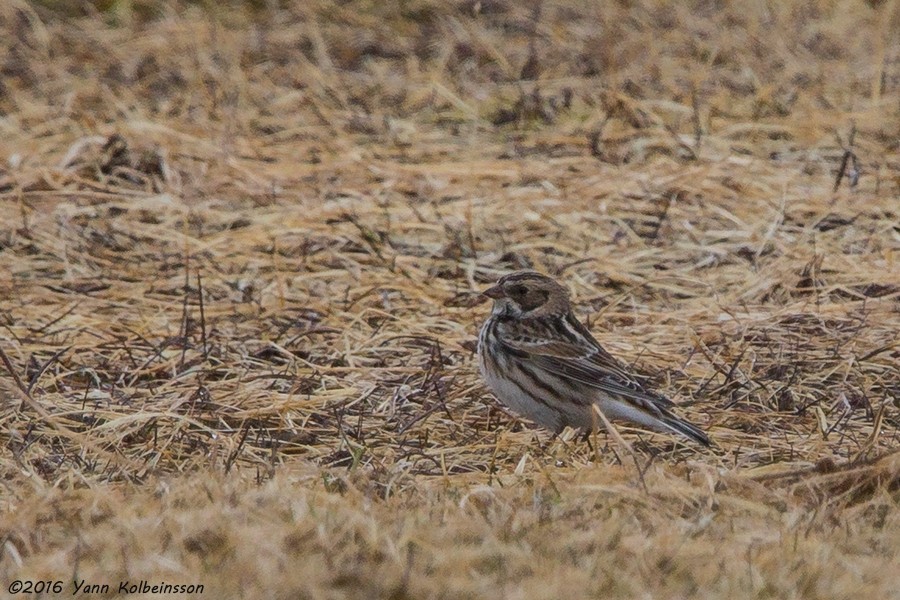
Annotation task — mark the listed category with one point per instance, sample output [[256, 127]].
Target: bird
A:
[[542, 363]]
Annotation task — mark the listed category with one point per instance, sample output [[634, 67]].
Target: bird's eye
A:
[[518, 290]]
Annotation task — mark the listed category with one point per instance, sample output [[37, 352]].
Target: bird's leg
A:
[[586, 436]]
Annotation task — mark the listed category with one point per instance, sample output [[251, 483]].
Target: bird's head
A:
[[528, 294]]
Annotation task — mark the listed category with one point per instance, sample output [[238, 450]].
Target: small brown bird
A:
[[541, 362]]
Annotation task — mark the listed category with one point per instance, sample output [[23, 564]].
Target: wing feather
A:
[[568, 350]]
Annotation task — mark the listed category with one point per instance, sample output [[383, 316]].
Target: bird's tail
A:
[[684, 428]]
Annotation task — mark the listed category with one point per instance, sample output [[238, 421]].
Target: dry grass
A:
[[241, 254]]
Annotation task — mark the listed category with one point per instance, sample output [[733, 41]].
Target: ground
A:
[[242, 245]]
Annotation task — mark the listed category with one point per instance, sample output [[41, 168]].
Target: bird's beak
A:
[[495, 292]]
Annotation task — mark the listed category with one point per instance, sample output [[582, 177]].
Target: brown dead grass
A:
[[241, 255]]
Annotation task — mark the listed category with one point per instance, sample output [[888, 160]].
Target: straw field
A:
[[242, 245]]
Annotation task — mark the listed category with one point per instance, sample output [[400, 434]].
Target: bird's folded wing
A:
[[589, 365]]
